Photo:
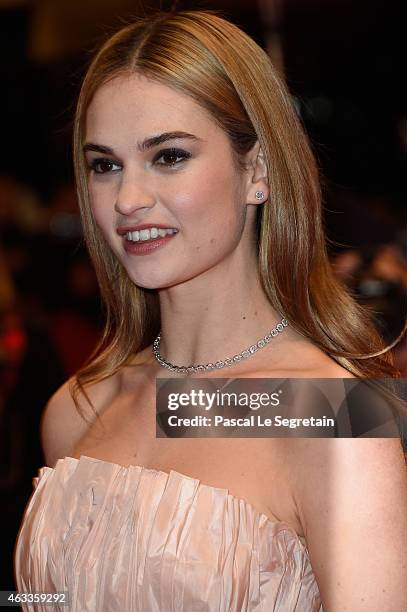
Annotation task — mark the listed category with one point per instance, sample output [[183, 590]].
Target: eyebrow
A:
[[146, 144]]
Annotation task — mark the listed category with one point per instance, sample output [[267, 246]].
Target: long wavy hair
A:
[[202, 55]]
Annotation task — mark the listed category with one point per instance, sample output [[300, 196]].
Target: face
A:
[[186, 180]]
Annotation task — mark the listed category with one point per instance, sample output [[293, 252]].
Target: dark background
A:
[[344, 65]]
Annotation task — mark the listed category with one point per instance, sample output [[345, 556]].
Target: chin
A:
[[153, 282], [162, 277], [158, 283]]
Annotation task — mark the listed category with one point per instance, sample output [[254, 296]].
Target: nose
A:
[[133, 196]]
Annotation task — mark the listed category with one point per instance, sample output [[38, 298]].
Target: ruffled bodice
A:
[[127, 539]]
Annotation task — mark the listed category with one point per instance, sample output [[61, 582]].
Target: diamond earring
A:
[[259, 195]]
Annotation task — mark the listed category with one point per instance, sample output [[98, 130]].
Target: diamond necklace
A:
[[219, 364]]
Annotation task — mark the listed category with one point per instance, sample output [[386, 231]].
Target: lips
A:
[[145, 247]]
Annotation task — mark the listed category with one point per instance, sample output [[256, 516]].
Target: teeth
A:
[[150, 234], [144, 234]]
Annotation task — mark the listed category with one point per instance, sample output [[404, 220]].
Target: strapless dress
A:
[[134, 539]]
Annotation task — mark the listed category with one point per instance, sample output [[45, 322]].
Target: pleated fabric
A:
[[124, 539]]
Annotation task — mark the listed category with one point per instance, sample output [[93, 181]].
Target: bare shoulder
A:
[[318, 460], [62, 425], [314, 363], [351, 496], [298, 357]]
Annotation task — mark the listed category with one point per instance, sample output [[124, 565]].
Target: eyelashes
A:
[[174, 153], [106, 165], [103, 166]]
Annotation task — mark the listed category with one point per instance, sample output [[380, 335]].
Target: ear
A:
[[257, 177]]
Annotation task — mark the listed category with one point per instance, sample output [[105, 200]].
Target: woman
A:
[[201, 211]]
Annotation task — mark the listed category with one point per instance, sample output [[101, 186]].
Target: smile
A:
[[150, 234]]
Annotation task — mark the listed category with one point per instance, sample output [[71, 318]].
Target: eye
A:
[[171, 155], [102, 166]]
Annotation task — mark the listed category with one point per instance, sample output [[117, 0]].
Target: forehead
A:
[[146, 106]]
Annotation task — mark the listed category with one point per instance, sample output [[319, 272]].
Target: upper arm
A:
[[351, 497], [62, 426]]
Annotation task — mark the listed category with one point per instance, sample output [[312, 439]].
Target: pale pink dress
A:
[[129, 539]]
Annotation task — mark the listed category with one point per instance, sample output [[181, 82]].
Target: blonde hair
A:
[[220, 67]]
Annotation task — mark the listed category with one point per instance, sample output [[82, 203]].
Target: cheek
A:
[[212, 224], [103, 215], [212, 195], [101, 207]]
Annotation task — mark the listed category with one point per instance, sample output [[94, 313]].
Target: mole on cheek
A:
[[212, 240]]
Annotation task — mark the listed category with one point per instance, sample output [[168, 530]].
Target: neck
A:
[[200, 324]]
